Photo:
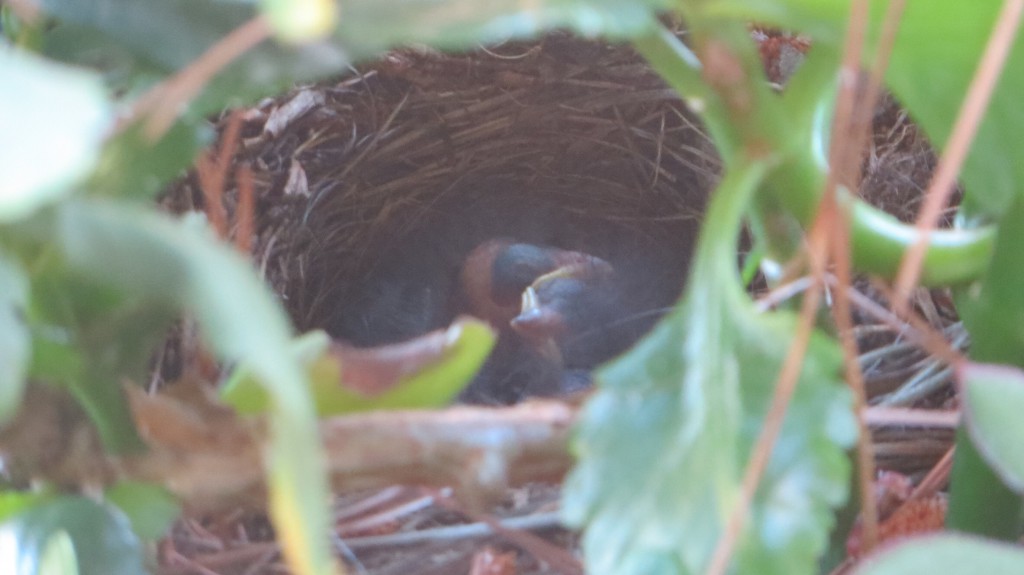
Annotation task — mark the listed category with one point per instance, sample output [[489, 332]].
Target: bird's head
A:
[[497, 273], [540, 294]]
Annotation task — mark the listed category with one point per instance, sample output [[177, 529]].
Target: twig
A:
[[878, 416], [365, 524], [936, 478], [930, 340], [165, 101], [560, 559], [212, 187], [452, 533], [215, 462], [245, 213]]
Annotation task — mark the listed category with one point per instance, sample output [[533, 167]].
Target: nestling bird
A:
[[552, 307], [559, 313], [496, 274]]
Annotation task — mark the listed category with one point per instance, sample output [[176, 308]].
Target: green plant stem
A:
[[878, 240]]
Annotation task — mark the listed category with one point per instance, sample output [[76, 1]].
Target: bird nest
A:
[[373, 189]]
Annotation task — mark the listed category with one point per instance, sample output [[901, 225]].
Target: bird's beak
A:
[[540, 322], [539, 325]]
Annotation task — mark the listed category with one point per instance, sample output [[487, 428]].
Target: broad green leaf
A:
[[167, 35], [149, 508], [132, 166], [53, 121], [91, 338], [930, 75], [126, 74], [946, 553], [100, 534], [664, 442], [993, 309], [993, 402], [984, 498], [147, 253], [371, 26], [467, 345], [15, 342]]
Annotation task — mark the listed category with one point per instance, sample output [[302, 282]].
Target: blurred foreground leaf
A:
[[371, 26], [15, 343], [663, 444], [146, 253], [993, 310], [131, 166], [53, 120], [149, 508], [90, 338], [163, 36], [946, 553], [986, 480], [425, 372], [100, 534], [993, 404]]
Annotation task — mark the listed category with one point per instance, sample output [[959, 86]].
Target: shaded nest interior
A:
[[371, 190], [370, 201]]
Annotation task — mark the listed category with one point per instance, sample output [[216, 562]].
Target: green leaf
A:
[[15, 342], [946, 553], [147, 253], [467, 345], [101, 536], [983, 497], [993, 309], [167, 35], [134, 167], [930, 75], [663, 444], [91, 338], [149, 508], [993, 402], [53, 120], [371, 26]]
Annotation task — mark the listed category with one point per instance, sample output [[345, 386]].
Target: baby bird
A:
[[550, 306], [496, 273]]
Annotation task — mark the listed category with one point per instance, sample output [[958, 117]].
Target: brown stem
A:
[[216, 460]]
